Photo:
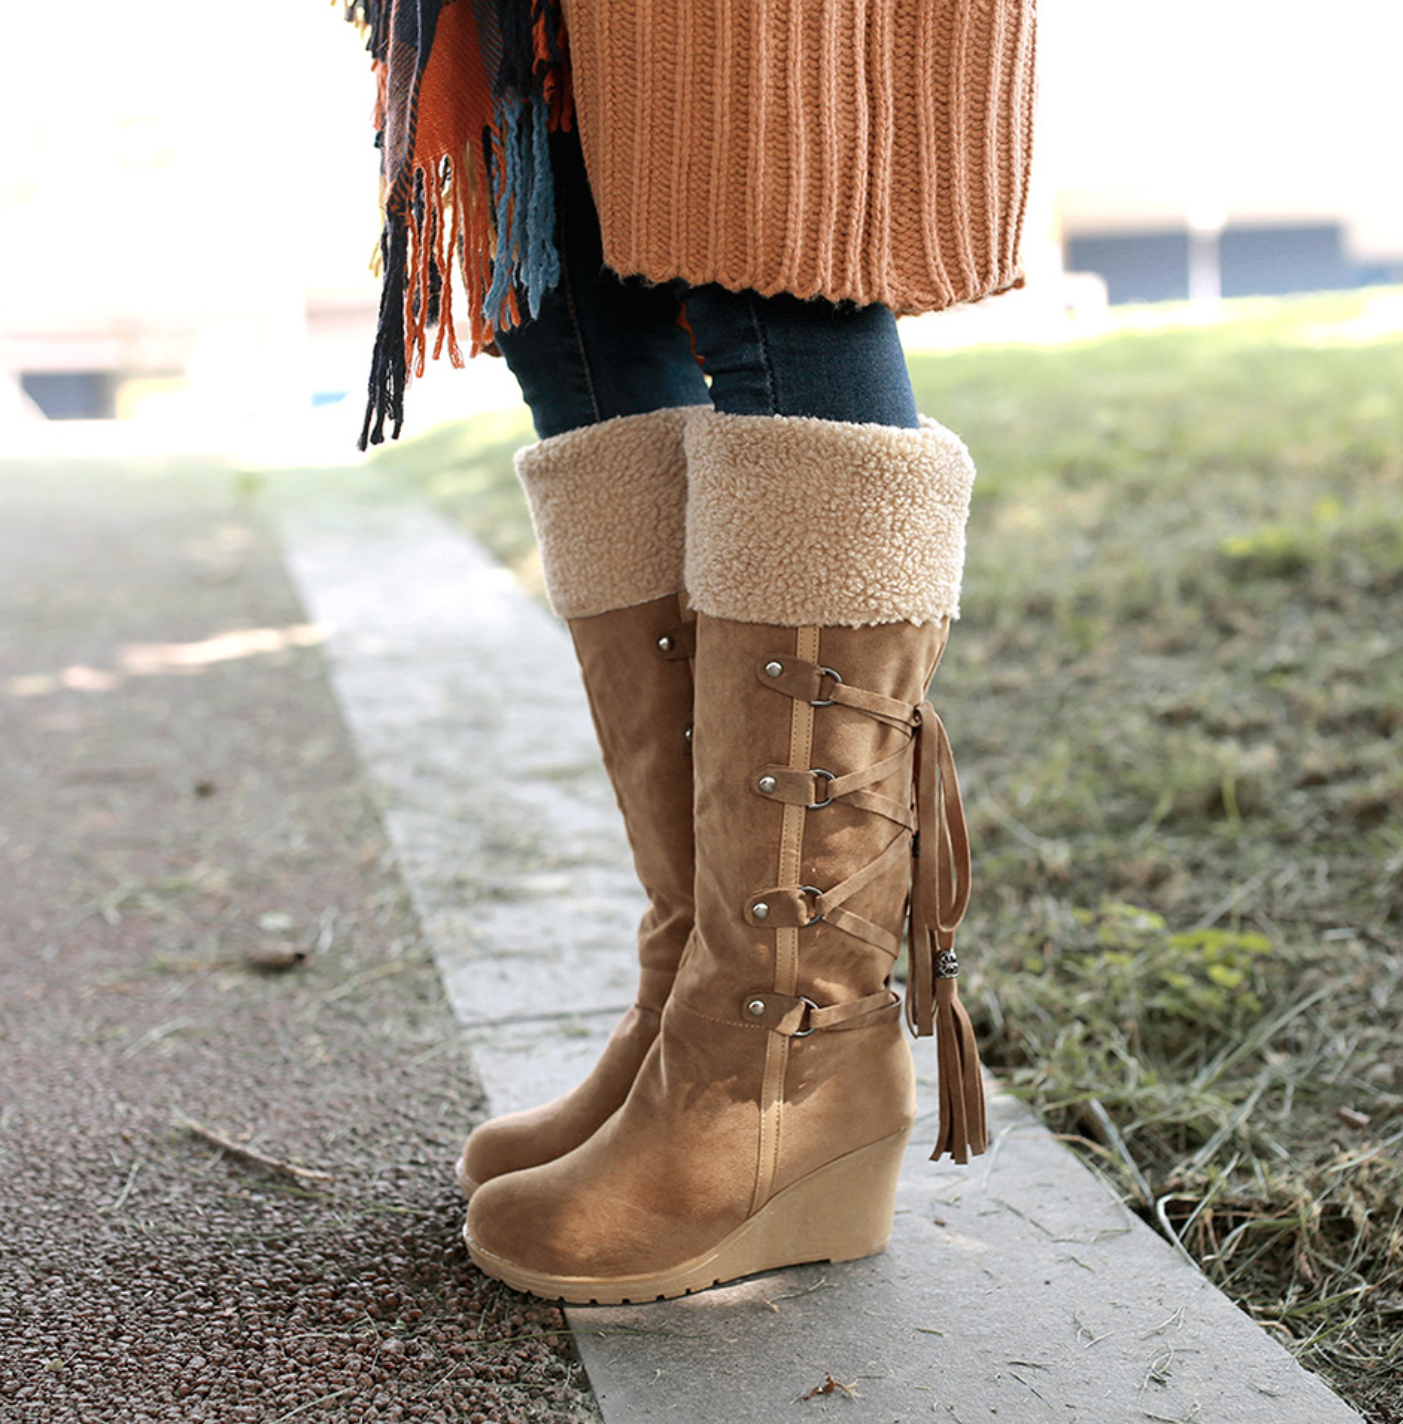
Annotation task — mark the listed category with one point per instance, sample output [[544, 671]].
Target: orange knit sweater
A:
[[870, 150]]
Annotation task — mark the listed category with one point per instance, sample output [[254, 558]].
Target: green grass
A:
[[1176, 696]]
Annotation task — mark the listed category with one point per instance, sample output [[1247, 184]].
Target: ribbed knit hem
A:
[[861, 150], [608, 502], [801, 522]]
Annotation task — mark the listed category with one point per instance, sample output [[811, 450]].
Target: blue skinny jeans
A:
[[604, 346]]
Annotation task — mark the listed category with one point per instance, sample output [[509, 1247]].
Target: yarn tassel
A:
[[540, 262], [527, 257]]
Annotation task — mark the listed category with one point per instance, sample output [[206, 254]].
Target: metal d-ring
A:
[[827, 776], [804, 999], [827, 702], [818, 895]]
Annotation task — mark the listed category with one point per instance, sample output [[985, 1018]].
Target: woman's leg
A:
[[603, 347], [782, 356]]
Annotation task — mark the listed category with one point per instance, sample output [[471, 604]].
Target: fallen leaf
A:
[[831, 1386], [275, 958]]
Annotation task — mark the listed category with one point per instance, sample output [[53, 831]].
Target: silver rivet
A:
[[665, 644], [761, 911], [756, 1007], [688, 734], [773, 669], [767, 784]]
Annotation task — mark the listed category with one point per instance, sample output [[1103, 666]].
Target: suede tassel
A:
[[939, 897], [963, 1129]]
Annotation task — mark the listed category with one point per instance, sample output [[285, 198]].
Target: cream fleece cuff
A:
[[801, 522], [608, 502]]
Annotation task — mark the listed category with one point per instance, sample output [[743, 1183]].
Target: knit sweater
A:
[[857, 150], [868, 150]]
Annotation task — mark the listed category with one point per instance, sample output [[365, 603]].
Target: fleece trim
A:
[[802, 523], [608, 502]]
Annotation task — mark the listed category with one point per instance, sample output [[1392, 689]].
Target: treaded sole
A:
[[839, 1212]]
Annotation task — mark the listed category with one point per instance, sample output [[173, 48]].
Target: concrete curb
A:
[[1016, 1288]]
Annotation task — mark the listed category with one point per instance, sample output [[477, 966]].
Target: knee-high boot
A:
[[608, 503], [767, 1125]]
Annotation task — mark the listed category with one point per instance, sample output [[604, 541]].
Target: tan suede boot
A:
[[767, 1125], [608, 505]]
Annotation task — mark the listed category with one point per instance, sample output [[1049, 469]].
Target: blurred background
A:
[[189, 201]]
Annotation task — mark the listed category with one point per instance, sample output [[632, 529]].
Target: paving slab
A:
[[1017, 1288]]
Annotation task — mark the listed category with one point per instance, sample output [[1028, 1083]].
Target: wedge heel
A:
[[840, 1212]]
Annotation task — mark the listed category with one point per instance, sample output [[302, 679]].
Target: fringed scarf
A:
[[467, 92]]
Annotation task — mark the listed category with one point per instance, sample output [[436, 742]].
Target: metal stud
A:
[[773, 669], [688, 734], [664, 644], [756, 1008], [761, 911], [767, 784]]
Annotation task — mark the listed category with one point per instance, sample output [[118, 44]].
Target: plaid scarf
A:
[[467, 91]]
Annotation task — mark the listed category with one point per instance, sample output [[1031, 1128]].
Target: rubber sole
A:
[[840, 1212]]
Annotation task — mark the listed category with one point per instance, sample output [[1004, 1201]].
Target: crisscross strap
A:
[[817, 789], [823, 687], [940, 883], [797, 906]]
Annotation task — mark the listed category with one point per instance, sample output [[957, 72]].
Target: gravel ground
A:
[[180, 817]]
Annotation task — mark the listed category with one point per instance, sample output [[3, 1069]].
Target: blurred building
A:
[[1211, 147]]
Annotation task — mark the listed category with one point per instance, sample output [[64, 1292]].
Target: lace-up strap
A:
[[822, 686], [817, 789], [796, 1016], [798, 906], [938, 842]]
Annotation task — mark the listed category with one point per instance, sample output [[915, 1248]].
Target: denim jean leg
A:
[[783, 356], [601, 346]]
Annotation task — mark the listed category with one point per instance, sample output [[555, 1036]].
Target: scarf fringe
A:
[[486, 206], [525, 213], [387, 363], [371, 19]]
